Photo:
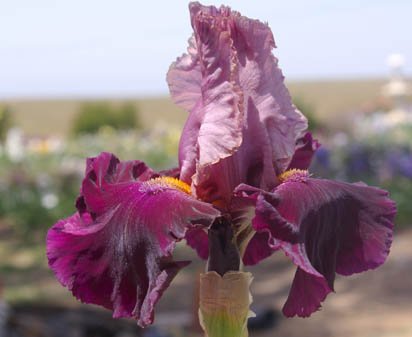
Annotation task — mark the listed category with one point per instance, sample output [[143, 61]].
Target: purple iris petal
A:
[[213, 129], [257, 249], [266, 218], [197, 238], [185, 78], [344, 228], [242, 126], [117, 251], [305, 149], [306, 294]]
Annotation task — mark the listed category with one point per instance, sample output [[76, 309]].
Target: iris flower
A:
[[241, 192]]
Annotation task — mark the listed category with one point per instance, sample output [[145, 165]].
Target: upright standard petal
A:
[[242, 126], [116, 251], [344, 228], [185, 78], [213, 129]]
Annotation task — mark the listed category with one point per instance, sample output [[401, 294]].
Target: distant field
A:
[[331, 101], [46, 117]]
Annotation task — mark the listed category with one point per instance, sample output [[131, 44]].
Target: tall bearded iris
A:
[[242, 192]]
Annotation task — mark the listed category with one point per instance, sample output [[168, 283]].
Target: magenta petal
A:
[[305, 149], [101, 271], [268, 219], [266, 216], [242, 125], [344, 228], [257, 209], [309, 287], [254, 246], [117, 252], [197, 238], [305, 295], [107, 166], [258, 249], [106, 171], [347, 225]]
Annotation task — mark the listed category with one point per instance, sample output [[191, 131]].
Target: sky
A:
[[123, 48]]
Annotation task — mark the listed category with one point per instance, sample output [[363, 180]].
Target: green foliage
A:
[[308, 110], [400, 190], [24, 194], [42, 187], [93, 116], [5, 121]]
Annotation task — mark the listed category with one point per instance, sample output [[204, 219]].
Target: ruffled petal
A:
[[105, 171], [243, 126], [264, 92], [344, 228], [213, 129], [305, 149], [116, 252], [185, 78]]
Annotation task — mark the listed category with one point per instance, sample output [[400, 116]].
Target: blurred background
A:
[[78, 78]]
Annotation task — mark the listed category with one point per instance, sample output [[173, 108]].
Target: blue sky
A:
[[97, 48]]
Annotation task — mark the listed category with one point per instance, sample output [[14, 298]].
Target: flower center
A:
[[171, 182], [293, 174]]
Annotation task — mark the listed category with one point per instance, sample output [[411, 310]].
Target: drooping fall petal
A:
[[242, 125], [306, 294], [116, 251], [344, 228]]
